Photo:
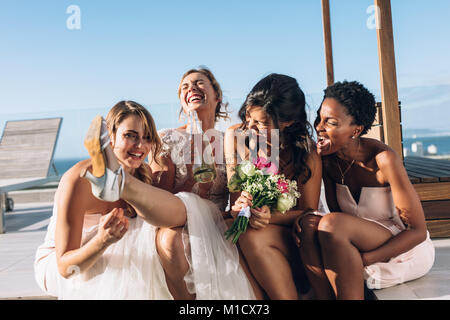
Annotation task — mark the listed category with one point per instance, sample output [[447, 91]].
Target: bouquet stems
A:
[[237, 228], [240, 224]]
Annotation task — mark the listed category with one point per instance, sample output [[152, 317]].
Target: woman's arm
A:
[[164, 173], [407, 203], [330, 188], [309, 193], [72, 201], [231, 155]]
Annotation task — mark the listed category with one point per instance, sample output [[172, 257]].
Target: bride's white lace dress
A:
[[215, 272]]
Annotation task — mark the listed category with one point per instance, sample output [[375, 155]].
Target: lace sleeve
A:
[[165, 136]]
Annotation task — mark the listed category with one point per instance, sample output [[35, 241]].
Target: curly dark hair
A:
[[282, 99], [359, 102]]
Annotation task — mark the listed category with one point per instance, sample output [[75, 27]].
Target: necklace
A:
[[348, 168]]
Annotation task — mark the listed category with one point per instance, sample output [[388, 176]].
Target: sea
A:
[[442, 144]]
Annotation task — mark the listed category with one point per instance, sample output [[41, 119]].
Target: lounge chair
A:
[[26, 157]]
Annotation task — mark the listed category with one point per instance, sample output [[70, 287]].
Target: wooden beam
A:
[[433, 191], [439, 228], [388, 77], [327, 40]]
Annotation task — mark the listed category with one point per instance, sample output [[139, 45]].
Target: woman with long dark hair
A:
[[274, 111]]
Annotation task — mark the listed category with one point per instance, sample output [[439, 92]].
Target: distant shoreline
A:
[[441, 141]]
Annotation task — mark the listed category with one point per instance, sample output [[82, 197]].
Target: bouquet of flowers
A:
[[267, 187]]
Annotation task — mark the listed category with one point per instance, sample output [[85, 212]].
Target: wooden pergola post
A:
[[327, 41], [388, 77]]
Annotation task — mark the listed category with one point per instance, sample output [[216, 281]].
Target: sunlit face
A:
[[335, 127], [197, 92], [258, 120], [261, 123], [130, 144]]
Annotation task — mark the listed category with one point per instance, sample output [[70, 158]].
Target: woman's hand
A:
[[260, 217], [244, 200], [112, 227], [296, 231], [202, 189]]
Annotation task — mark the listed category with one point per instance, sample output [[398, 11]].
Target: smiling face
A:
[[261, 123], [131, 143], [335, 127], [197, 93]]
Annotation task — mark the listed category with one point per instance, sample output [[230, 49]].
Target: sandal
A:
[[104, 181]]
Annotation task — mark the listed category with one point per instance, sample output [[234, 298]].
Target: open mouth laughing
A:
[[195, 98], [323, 143]]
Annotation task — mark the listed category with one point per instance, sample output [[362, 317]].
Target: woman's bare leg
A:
[[169, 245], [342, 237], [312, 257], [267, 254], [171, 251], [156, 206], [257, 290]]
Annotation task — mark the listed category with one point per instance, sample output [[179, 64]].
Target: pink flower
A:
[[266, 166], [283, 186]]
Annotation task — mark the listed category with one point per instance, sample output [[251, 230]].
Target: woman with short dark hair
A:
[[376, 230]]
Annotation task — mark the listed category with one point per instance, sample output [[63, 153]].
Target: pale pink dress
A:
[[377, 205]]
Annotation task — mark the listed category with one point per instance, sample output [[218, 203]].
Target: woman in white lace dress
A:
[[199, 91]]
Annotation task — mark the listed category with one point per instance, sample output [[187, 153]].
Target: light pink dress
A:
[[377, 205]]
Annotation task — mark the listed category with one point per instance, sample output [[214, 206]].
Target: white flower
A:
[[285, 202], [246, 169]]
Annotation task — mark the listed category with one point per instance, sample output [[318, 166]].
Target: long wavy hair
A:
[[116, 115], [282, 99], [221, 111]]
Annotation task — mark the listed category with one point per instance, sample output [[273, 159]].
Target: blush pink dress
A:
[[377, 205]]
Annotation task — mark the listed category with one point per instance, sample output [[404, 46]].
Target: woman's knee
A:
[[169, 243], [306, 229], [331, 228], [254, 241]]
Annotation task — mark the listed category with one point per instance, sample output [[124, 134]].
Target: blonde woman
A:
[[103, 250]]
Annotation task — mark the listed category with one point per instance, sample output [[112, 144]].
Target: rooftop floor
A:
[[27, 224], [25, 230]]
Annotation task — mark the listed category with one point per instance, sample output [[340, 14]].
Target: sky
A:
[[54, 64]]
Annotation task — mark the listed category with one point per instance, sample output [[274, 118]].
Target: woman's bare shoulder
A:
[[232, 133], [71, 178], [234, 129]]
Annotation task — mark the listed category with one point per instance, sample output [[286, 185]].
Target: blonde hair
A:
[[219, 114], [116, 115]]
